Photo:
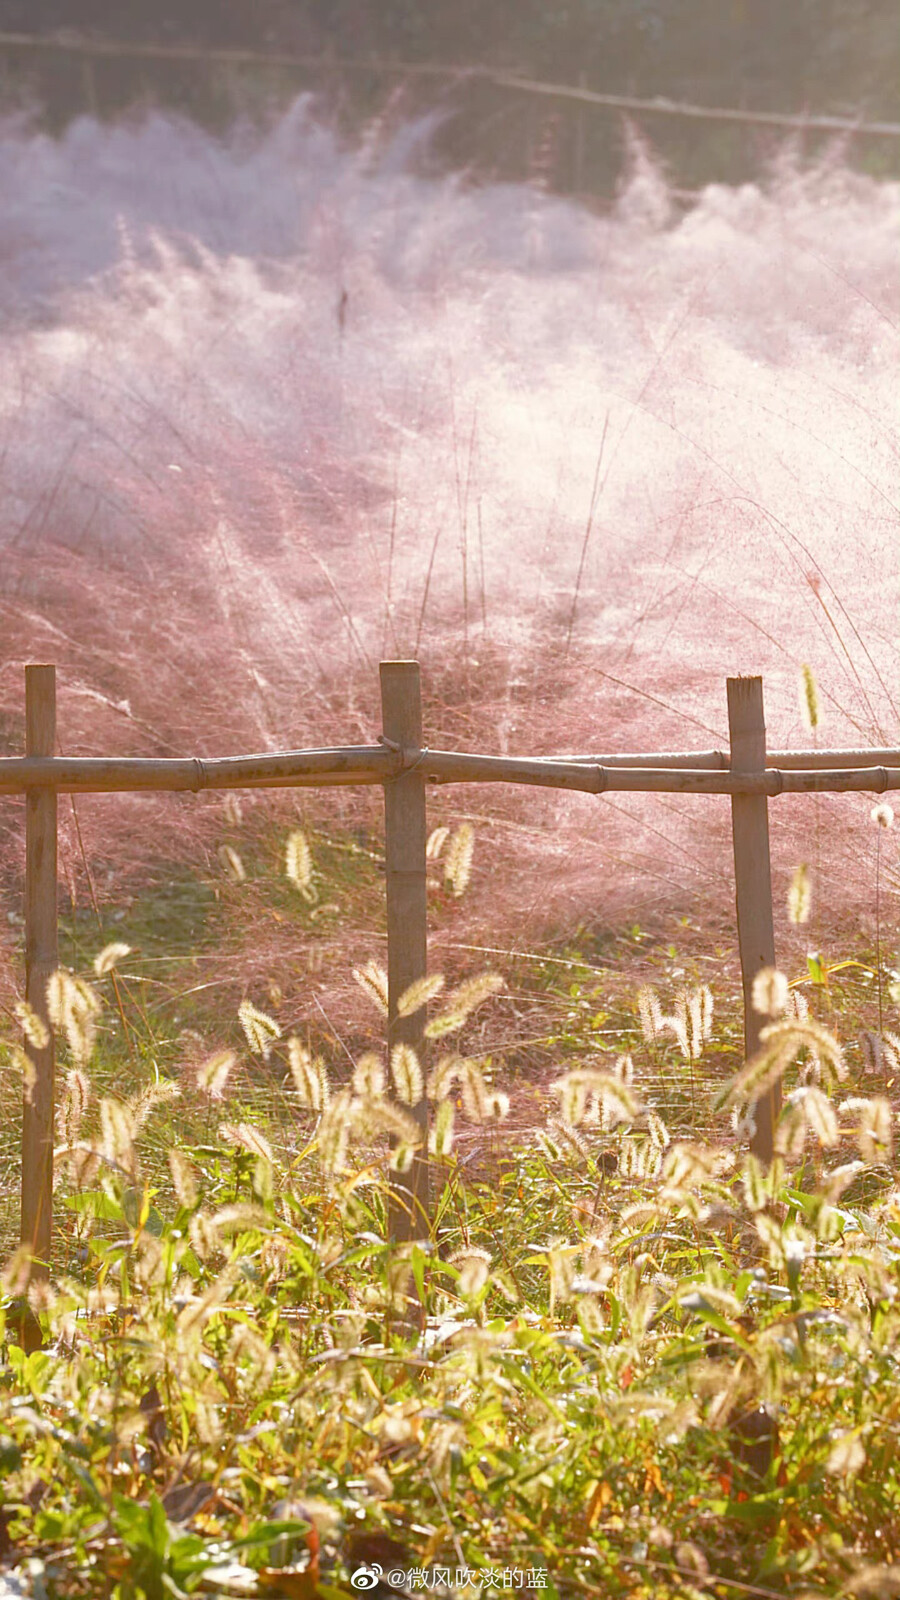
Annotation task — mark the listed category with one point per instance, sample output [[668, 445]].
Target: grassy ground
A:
[[624, 1362]]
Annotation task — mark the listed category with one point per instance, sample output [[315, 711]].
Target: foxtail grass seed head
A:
[[819, 1114], [440, 1138], [659, 1133], [474, 1091], [334, 1131], [874, 1126], [72, 1105], [890, 1046], [260, 1030], [790, 1134], [443, 1076], [590, 1316], [42, 1297], [368, 1077], [881, 1053], [570, 1140], [193, 1316], [612, 1090], [839, 1179], [800, 896], [84, 1165], [158, 1093], [298, 865], [204, 1235], [310, 1077], [770, 992], [213, 1073], [184, 1178], [379, 1482], [402, 1157], [754, 1184], [462, 1001], [118, 1131], [650, 1014], [373, 980], [232, 865], [824, 1057], [109, 957], [624, 1070], [34, 1027], [247, 1137], [677, 1025], [458, 860], [21, 1061], [16, 1271], [372, 1117], [232, 811], [743, 1125], [618, 1102], [635, 1158], [809, 700], [473, 1275], [473, 1265], [762, 1071], [689, 1164], [573, 1097], [406, 1072], [698, 1012], [241, 1217], [846, 1458], [561, 1267], [883, 816], [418, 995], [73, 1008], [436, 841]]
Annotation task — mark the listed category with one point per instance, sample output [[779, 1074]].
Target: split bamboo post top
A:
[[405, 839], [41, 960], [753, 883]]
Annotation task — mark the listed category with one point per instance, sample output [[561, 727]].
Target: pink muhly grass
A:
[[222, 500]]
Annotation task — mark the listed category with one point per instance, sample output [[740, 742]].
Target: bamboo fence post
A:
[[41, 959], [579, 149], [405, 837], [753, 883]]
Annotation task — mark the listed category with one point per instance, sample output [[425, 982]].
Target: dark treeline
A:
[[814, 53], [833, 56]]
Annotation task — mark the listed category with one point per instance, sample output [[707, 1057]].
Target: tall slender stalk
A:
[[595, 495], [883, 817]]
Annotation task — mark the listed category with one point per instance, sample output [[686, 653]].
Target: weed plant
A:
[[621, 1360]]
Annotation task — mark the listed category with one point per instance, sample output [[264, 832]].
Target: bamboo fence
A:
[[404, 766]]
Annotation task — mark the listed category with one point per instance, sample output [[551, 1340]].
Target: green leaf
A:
[[417, 1262], [94, 1203]]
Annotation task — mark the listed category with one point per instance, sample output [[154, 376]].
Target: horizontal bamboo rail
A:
[[719, 760], [445, 767], [136, 774], [370, 764], [659, 106]]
